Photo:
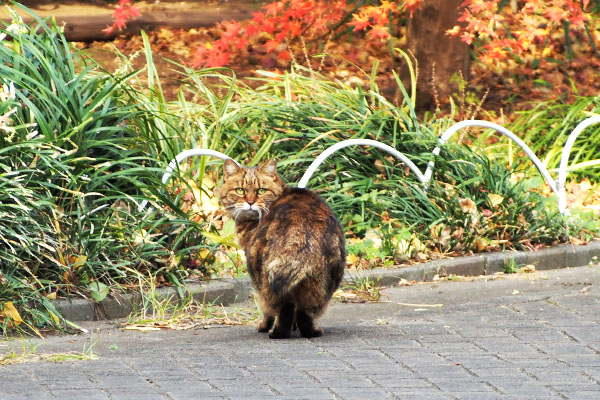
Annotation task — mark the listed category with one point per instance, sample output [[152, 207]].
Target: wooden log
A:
[[88, 25]]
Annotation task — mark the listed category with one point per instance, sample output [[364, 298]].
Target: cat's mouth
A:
[[247, 212]]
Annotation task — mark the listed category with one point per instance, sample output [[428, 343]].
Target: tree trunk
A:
[[438, 55]]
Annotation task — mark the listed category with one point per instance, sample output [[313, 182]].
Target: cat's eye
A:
[[261, 191], [240, 191]]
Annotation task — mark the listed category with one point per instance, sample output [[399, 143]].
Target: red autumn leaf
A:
[[411, 5], [295, 29], [578, 18], [273, 8], [555, 14], [271, 45], [379, 32], [216, 58], [241, 42], [361, 22], [284, 55], [231, 31]]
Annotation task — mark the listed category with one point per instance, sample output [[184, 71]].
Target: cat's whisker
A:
[[263, 209], [236, 213]]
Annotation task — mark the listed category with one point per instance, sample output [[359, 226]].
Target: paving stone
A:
[[75, 393], [360, 393], [484, 343]]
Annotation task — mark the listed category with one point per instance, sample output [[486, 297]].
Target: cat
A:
[[294, 246]]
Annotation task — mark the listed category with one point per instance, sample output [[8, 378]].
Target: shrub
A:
[[77, 153]]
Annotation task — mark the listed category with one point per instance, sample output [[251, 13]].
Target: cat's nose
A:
[[250, 201]]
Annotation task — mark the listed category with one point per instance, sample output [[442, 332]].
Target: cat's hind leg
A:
[[307, 326], [284, 323]]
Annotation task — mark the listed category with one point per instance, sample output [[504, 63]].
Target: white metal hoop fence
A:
[[557, 186]]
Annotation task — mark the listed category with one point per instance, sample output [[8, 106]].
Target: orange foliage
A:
[[123, 12]]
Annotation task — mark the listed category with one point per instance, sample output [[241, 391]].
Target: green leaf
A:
[[224, 240], [98, 291]]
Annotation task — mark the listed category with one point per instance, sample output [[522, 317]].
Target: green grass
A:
[[545, 128], [82, 151], [29, 353]]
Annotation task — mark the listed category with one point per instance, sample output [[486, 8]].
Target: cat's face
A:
[[247, 193]]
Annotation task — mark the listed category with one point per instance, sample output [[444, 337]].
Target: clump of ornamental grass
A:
[[79, 150]]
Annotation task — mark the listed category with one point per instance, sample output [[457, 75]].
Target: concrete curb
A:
[[229, 291]]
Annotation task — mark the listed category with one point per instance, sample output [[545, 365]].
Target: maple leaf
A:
[[411, 5], [578, 18], [109, 29], [555, 14], [379, 32], [280, 36], [120, 23], [361, 22], [134, 12], [387, 6], [267, 26], [123, 12], [272, 45], [273, 8], [295, 28], [467, 37], [200, 56], [477, 6], [251, 30], [284, 55], [231, 30], [241, 43], [297, 10], [258, 17], [216, 58]]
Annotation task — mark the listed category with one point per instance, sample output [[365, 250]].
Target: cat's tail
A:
[[285, 275]]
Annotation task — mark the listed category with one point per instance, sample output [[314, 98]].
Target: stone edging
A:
[[229, 291]]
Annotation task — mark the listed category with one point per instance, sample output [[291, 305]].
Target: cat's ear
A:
[[269, 168], [230, 167]]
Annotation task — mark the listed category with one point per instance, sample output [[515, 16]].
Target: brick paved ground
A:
[[531, 336]]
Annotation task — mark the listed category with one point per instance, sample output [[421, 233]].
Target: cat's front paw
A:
[[278, 334], [311, 333]]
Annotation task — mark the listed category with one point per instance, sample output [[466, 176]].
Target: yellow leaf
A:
[[9, 310], [529, 268], [495, 199], [54, 318], [51, 296], [76, 261], [481, 244], [142, 328], [351, 259]]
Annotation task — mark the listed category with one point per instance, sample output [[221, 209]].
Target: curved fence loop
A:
[[357, 142], [558, 187], [564, 161], [182, 156], [485, 124]]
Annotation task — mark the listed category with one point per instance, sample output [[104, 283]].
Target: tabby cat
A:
[[294, 247]]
